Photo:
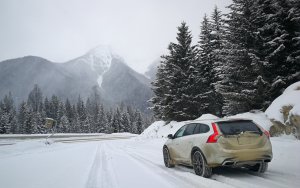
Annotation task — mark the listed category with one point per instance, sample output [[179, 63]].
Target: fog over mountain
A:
[[98, 71], [152, 69]]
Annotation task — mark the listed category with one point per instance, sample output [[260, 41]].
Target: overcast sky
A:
[[60, 30]]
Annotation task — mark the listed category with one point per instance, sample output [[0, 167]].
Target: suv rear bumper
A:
[[218, 156]]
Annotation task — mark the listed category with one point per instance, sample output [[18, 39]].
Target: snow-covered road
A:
[[130, 163]]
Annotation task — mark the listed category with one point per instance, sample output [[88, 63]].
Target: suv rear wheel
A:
[[200, 165], [167, 159], [260, 167]]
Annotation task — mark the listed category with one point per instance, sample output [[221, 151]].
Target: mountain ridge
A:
[[99, 70]]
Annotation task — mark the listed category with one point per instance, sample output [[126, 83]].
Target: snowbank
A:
[[258, 117], [207, 116], [289, 98], [160, 129]]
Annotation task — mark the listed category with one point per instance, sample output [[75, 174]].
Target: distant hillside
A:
[[100, 70]]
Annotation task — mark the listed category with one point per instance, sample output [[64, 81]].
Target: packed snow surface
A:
[[290, 97], [131, 163]]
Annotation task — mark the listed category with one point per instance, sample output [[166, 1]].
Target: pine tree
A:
[[53, 107], [25, 119], [35, 99], [172, 100], [69, 110], [242, 65], [109, 126], [125, 124], [36, 123], [139, 123], [278, 24], [82, 116], [160, 90], [116, 121], [47, 107], [205, 76], [8, 119], [218, 41], [61, 111], [64, 125], [4, 122], [101, 120]]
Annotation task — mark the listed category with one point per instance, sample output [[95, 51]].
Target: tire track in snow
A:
[[245, 178], [136, 173], [232, 177], [180, 178], [101, 175]]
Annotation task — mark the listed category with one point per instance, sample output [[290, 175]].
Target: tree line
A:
[[243, 60], [88, 116]]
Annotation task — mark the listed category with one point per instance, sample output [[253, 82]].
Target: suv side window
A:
[[179, 133], [201, 128], [189, 129]]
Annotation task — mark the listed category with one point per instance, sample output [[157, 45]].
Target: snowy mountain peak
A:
[[99, 60]]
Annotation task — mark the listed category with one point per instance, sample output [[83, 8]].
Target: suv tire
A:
[[167, 159], [200, 165], [260, 167]]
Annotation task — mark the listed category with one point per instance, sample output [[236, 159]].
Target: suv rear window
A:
[[237, 127]]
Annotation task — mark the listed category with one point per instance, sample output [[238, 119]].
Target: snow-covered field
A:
[[135, 162]]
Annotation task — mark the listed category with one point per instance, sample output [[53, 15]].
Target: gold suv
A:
[[207, 144]]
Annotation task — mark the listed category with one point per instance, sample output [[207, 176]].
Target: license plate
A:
[[243, 141]]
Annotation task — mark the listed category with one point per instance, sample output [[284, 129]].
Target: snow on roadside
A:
[[290, 97], [207, 116], [258, 117], [160, 129]]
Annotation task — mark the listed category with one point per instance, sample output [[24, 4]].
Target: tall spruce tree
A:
[[278, 25], [116, 121], [242, 63], [173, 98], [8, 119], [35, 99], [218, 41], [210, 100]]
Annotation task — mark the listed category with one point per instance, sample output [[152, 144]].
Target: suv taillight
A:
[[267, 134], [214, 137]]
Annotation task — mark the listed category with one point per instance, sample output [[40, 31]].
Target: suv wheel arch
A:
[[194, 149]]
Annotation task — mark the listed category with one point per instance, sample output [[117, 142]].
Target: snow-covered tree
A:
[[205, 70], [172, 100], [64, 124], [217, 42], [8, 119], [116, 121], [35, 99], [125, 124], [278, 23], [139, 124], [241, 63]]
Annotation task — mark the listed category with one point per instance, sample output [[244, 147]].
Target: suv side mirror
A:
[[170, 136]]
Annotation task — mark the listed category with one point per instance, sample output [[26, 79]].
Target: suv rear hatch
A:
[[240, 134]]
